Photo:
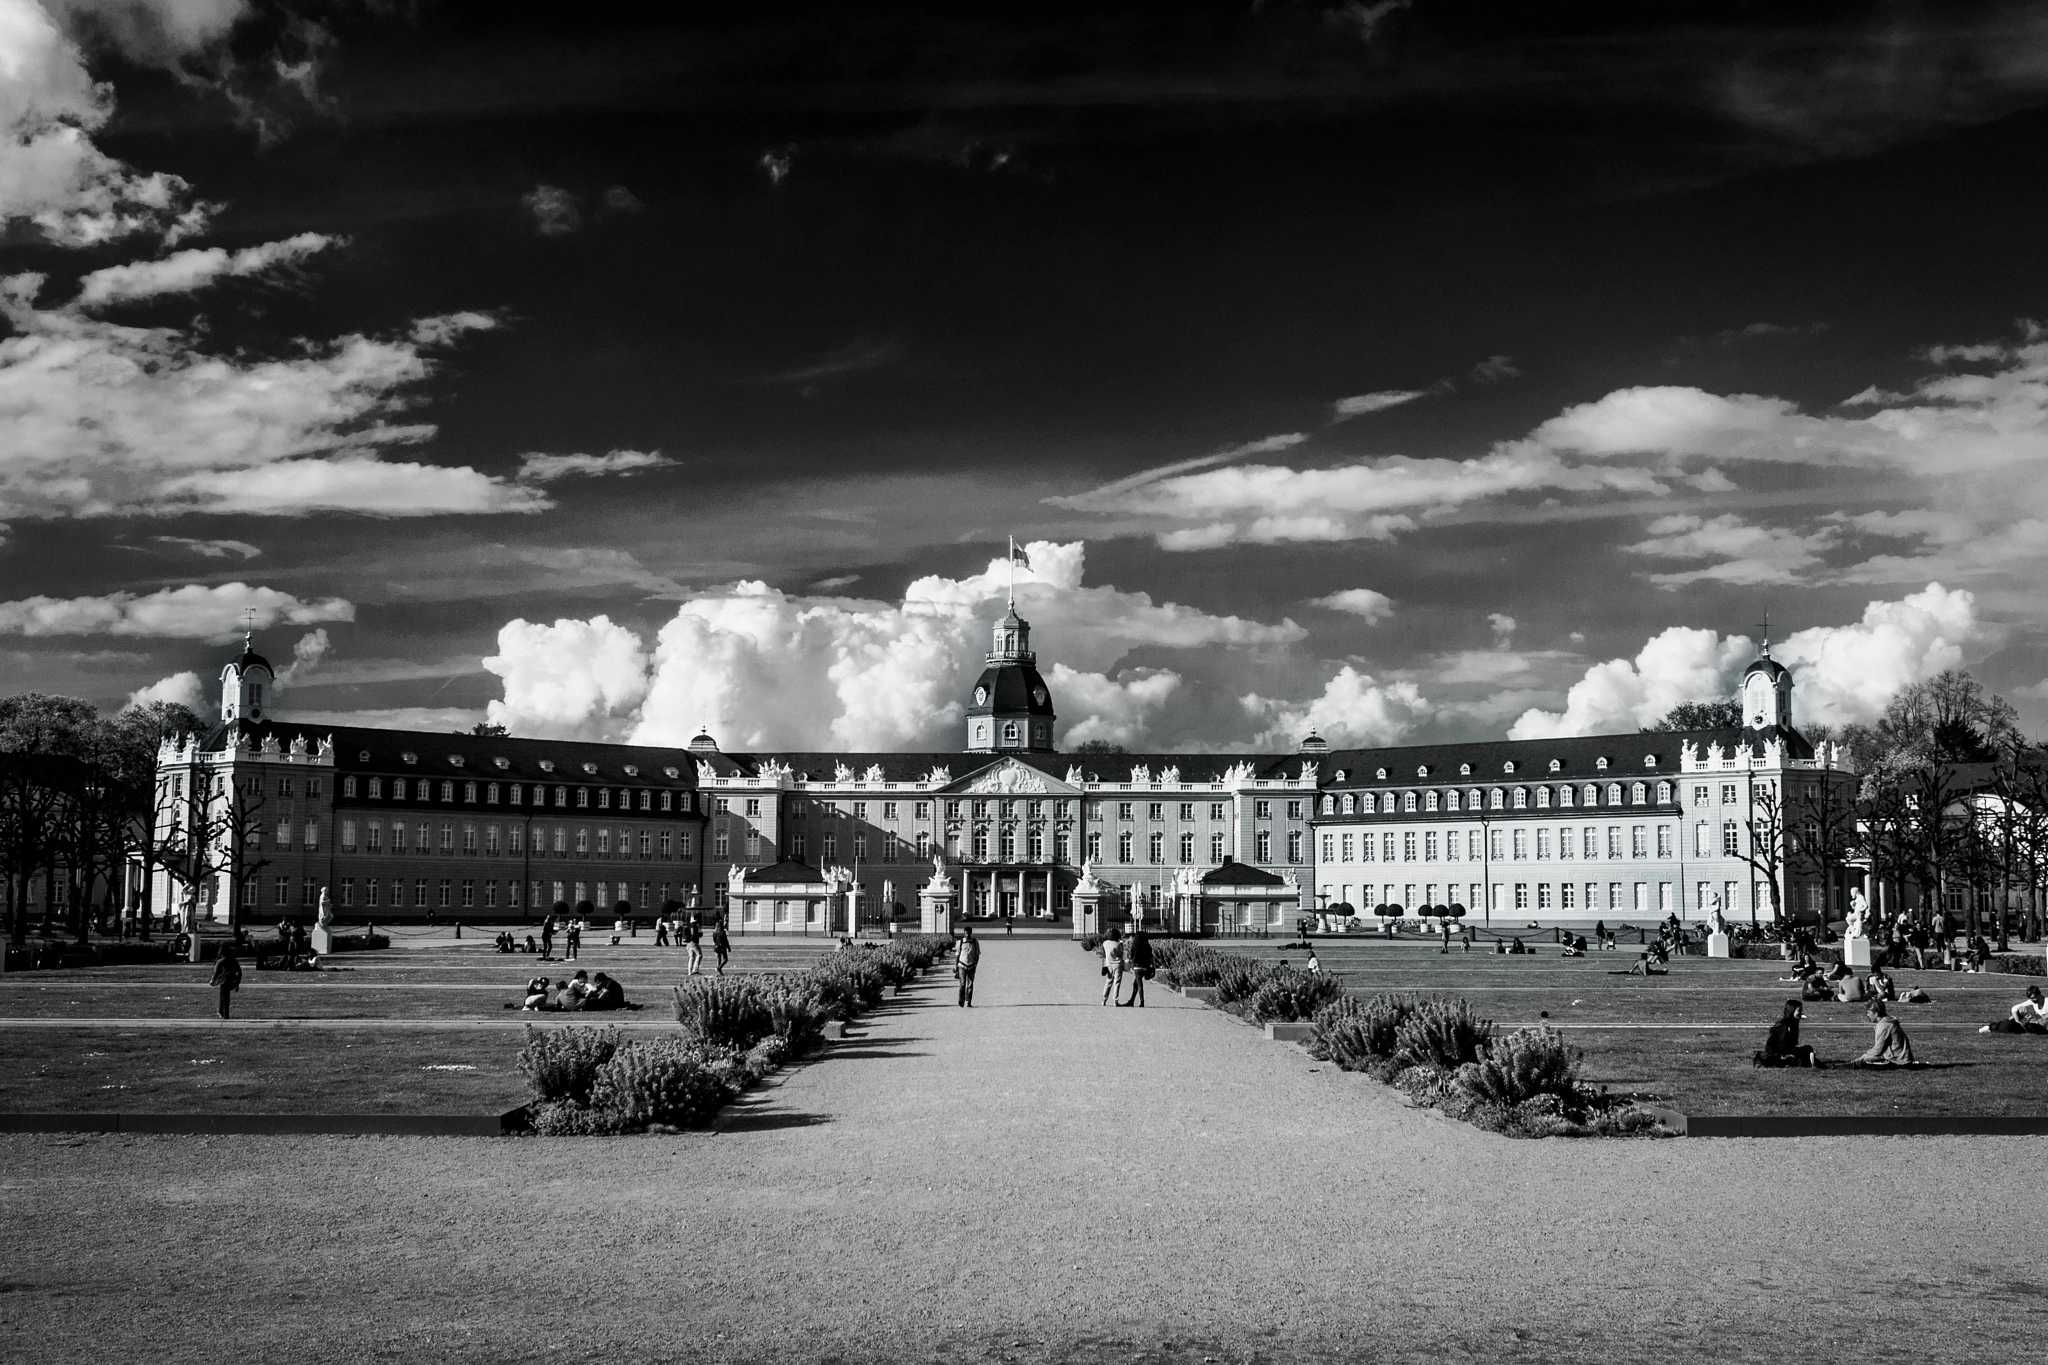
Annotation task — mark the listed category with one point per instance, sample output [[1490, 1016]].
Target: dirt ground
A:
[[1036, 1179]]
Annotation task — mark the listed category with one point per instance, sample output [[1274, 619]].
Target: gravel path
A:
[[1036, 1179]]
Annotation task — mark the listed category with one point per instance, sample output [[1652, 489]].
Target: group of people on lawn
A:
[[583, 991]]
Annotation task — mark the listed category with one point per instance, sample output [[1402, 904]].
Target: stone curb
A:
[[274, 1125]]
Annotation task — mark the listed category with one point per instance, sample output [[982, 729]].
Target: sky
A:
[[1404, 371]]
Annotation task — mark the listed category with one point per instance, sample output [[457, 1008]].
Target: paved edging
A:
[[273, 1125]]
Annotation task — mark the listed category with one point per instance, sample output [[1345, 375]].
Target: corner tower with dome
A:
[[1011, 709]]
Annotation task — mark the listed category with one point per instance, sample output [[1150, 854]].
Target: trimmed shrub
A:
[[1444, 1034], [2015, 964], [1239, 978], [1527, 1064], [562, 1064], [729, 1011], [1288, 996], [1090, 942]]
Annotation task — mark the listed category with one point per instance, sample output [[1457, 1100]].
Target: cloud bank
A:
[[193, 612]]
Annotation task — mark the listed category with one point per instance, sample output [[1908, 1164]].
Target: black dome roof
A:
[[1011, 689], [251, 659]]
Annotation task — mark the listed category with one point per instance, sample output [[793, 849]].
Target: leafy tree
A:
[[1098, 747], [484, 727], [1698, 715]]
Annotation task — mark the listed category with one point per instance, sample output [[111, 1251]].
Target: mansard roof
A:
[[914, 767], [1578, 759], [498, 757]]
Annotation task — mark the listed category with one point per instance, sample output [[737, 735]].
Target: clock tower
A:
[[1766, 699], [1011, 710]]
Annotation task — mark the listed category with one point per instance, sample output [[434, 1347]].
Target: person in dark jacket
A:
[[721, 946], [1139, 956], [967, 957], [605, 994], [1782, 1046], [227, 978]]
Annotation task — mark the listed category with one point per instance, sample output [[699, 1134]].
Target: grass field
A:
[[1690, 1035], [262, 1063]]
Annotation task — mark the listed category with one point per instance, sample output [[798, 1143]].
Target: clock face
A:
[[981, 696]]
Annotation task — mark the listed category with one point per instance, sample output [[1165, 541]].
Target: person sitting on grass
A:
[[2029, 1016], [1782, 1046], [1881, 984], [1314, 966], [605, 994], [531, 946], [1574, 947], [1643, 966], [577, 991], [1851, 989], [1518, 950], [536, 995], [1980, 952], [1804, 966], [1890, 1046]]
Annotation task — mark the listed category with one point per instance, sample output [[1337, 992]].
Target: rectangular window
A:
[[683, 843], [754, 806], [348, 892], [1731, 840], [1564, 842], [491, 840], [1497, 844], [1386, 847], [1568, 897], [646, 842], [1429, 846], [721, 845], [468, 894], [665, 843], [348, 786], [284, 833], [516, 836], [1727, 793], [376, 788], [1522, 896], [1262, 810], [1642, 902], [604, 802], [1263, 843], [1187, 810], [284, 786], [1294, 846], [1542, 845], [1614, 841], [1591, 844], [419, 893], [922, 811], [1215, 810], [1095, 846], [284, 890], [468, 837], [1543, 896], [446, 891], [860, 847], [1294, 810], [1663, 841], [829, 846], [888, 810], [753, 843], [348, 836], [490, 895], [1123, 810], [517, 792], [604, 842], [1521, 844], [1408, 846], [1348, 847], [1156, 848], [312, 834], [1156, 811], [469, 792], [860, 810], [1216, 848], [1638, 842], [1472, 846]]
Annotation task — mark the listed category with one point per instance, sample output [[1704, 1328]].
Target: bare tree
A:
[[1764, 848]]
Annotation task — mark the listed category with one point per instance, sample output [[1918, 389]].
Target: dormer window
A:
[[1464, 770], [1408, 801], [1380, 773], [1429, 801], [547, 765], [672, 772], [455, 760], [1600, 764], [1556, 766], [363, 756], [410, 757], [1649, 760], [501, 763], [590, 768], [632, 770], [1543, 798], [1450, 800], [1498, 799], [1521, 798], [1508, 766], [1422, 771]]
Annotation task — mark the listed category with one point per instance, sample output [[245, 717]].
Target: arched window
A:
[[1543, 798], [1408, 801], [1556, 766], [1009, 732], [1521, 798], [1635, 793]]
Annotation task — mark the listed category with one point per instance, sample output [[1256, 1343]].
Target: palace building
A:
[[406, 825]]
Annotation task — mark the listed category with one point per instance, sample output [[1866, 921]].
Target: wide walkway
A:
[[1037, 1178]]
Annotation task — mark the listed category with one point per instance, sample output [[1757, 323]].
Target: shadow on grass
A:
[[857, 1054]]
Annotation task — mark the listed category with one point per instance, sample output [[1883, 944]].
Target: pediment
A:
[[1008, 777]]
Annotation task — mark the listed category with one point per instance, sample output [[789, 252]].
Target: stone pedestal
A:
[[1087, 911], [1717, 945], [935, 912], [1856, 952], [323, 937]]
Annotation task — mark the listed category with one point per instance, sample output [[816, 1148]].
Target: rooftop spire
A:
[[1766, 651]]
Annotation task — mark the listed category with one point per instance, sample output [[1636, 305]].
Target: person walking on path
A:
[[573, 939], [661, 931], [1112, 964], [1140, 965], [965, 959], [693, 939], [227, 978], [547, 938], [721, 946]]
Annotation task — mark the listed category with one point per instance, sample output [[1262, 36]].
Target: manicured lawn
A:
[[272, 1072], [1689, 1036]]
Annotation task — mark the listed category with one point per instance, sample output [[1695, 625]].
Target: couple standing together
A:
[[1126, 963]]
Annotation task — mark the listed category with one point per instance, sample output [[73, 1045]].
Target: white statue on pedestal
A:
[[1714, 916], [324, 917], [1859, 916]]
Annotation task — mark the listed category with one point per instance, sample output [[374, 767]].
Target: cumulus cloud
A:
[[1842, 674], [1373, 606], [195, 612], [182, 272], [572, 679], [311, 648], [51, 174], [1746, 553], [185, 689], [553, 210], [536, 468], [1119, 710], [1354, 711], [1495, 369], [766, 669], [106, 420]]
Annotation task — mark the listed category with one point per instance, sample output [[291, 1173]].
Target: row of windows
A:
[[1640, 898], [663, 843], [1409, 846], [1006, 809], [422, 789], [1499, 798], [447, 893]]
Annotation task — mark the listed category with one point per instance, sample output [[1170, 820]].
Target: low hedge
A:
[[1443, 1056]]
